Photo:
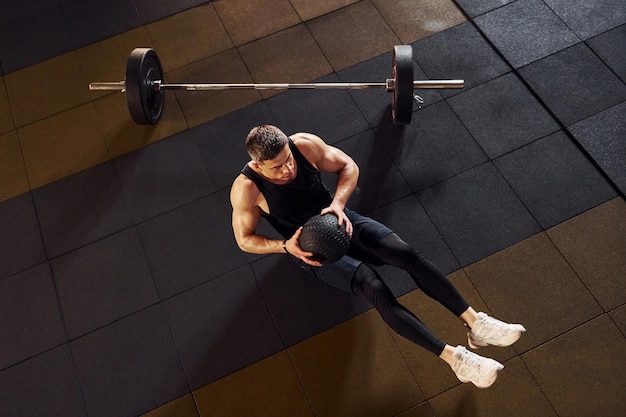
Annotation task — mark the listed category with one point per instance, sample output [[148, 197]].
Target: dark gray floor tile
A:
[[554, 179], [329, 113], [502, 115], [407, 218], [435, 146], [579, 380], [31, 317], [474, 8], [477, 213], [221, 327], [610, 48], [589, 18], [45, 385], [301, 305], [21, 245], [574, 83], [33, 38], [163, 176], [603, 137], [380, 181], [91, 21], [619, 317], [375, 103], [458, 53], [130, 366], [81, 208], [222, 142], [525, 31], [190, 246], [90, 281], [152, 10], [17, 9]]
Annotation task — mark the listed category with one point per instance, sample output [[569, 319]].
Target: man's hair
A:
[[265, 142]]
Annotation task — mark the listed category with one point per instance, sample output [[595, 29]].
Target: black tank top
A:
[[291, 205]]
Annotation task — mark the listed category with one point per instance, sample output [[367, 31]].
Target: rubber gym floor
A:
[[122, 292]]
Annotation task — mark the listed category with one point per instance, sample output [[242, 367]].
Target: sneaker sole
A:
[[514, 337]]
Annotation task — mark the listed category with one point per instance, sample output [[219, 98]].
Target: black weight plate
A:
[[145, 103], [402, 73]]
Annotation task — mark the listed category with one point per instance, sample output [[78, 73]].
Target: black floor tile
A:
[[375, 103], [21, 245], [182, 246], [435, 146], [474, 8], [610, 48], [222, 142], [90, 281], [574, 83], [163, 176], [502, 115], [129, 367], [151, 10], [603, 137], [81, 208], [17, 9], [221, 327], [589, 18], [380, 181], [458, 53], [45, 385], [407, 218], [33, 38], [91, 21], [525, 31], [31, 316], [329, 113], [554, 179], [477, 213], [301, 305]]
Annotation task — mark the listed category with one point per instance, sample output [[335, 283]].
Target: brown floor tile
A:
[[188, 37], [355, 369], [308, 9], [290, 56], [514, 394], [269, 388], [619, 317], [247, 20], [123, 135], [13, 180], [422, 410], [62, 145], [199, 107], [583, 373], [180, 407], [106, 61], [6, 117], [412, 20], [353, 34], [594, 244], [433, 375], [530, 283], [45, 89]]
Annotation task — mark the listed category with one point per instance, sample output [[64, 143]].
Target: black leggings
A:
[[366, 283]]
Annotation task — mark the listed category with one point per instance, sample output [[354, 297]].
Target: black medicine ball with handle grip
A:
[[325, 238]]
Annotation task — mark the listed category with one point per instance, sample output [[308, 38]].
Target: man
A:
[[282, 183]]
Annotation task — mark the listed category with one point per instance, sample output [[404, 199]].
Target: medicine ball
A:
[[325, 238]]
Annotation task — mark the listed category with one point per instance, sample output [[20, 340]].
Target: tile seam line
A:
[[562, 126]]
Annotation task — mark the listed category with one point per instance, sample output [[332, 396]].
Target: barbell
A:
[[145, 89]]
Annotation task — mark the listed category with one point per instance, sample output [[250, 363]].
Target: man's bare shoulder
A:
[[310, 145], [244, 190]]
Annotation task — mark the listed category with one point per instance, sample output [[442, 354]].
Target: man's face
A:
[[280, 170]]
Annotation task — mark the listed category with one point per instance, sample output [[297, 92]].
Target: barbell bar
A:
[[145, 89]]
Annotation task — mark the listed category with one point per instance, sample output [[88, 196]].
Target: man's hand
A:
[[341, 216], [293, 247]]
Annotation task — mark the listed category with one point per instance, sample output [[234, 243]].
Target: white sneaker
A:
[[490, 331], [470, 367]]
